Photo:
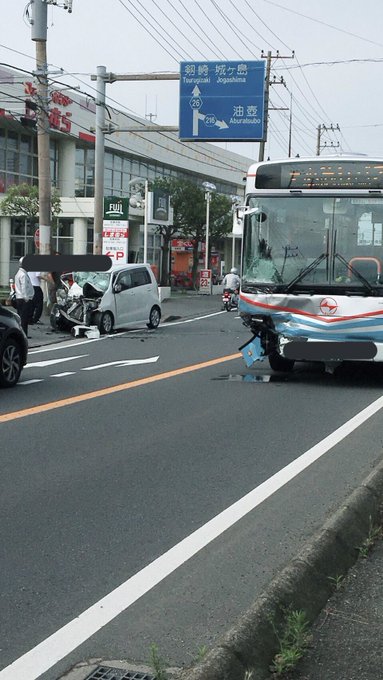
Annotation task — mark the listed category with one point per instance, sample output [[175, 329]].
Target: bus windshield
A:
[[292, 242]]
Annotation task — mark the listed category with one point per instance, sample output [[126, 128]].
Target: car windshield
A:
[[99, 280], [316, 240]]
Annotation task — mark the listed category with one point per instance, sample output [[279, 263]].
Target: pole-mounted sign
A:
[[222, 100], [115, 231]]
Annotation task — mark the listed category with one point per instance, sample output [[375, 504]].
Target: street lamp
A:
[[137, 201], [235, 200], [209, 188]]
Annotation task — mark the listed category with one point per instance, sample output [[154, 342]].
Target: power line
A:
[[324, 23], [202, 39], [200, 28], [215, 27], [149, 32]]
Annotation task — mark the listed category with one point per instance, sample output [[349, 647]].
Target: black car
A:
[[13, 347]]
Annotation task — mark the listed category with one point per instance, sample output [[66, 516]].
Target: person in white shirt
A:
[[24, 295], [38, 298], [232, 283]]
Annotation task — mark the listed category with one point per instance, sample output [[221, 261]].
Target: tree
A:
[[167, 231], [22, 200], [189, 221]]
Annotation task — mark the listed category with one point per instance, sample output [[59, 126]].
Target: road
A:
[[108, 465]]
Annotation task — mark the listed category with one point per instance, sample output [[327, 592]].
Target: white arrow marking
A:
[[50, 362], [196, 91], [122, 362], [196, 115], [218, 123], [221, 124]]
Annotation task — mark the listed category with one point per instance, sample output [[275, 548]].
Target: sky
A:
[[333, 80]]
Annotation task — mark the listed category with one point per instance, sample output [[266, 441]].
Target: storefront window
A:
[[89, 245], [17, 159], [62, 236], [22, 241]]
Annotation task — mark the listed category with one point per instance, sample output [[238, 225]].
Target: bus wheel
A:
[[279, 363]]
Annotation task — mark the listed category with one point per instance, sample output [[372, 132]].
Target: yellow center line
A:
[[34, 410]]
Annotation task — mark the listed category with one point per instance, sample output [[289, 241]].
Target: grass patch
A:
[[292, 643], [336, 581], [157, 663], [374, 534]]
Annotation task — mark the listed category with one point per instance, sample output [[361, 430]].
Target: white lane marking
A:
[[65, 345], [62, 375], [30, 382], [54, 648], [197, 318], [122, 362], [50, 362]]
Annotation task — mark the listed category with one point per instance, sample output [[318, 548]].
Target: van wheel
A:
[[278, 363], [154, 317], [105, 323]]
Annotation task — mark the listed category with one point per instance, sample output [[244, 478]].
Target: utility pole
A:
[[320, 130], [268, 82], [290, 123], [39, 35], [99, 161]]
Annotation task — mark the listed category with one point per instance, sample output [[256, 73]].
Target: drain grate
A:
[[108, 673]]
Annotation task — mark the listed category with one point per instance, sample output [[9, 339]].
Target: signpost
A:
[[222, 101], [205, 282], [115, 231]]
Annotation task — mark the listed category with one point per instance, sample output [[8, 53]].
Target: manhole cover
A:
[[108, 673]]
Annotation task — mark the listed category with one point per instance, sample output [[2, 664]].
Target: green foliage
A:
[[337, 581], [189, 214], [201, 653], [375, 533], [157, 663], [293, 642], [22, 200], [189, 206]]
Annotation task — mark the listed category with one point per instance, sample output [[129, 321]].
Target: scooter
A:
[[229, 299]]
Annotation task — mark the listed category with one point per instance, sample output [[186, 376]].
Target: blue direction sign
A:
[[222, 100]]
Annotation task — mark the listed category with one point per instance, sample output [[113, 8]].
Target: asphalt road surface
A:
[[148, 493]]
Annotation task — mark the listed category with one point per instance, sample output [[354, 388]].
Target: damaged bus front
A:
[[312, 254]]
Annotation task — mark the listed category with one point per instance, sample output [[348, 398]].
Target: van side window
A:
[[125, 280], [140, 277]]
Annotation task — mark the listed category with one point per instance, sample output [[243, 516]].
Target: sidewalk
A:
[[178, 306], [348, 635]]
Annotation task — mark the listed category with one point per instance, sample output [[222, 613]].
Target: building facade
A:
[[128, 155]]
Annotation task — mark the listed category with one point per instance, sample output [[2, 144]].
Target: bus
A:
[[312, 259]]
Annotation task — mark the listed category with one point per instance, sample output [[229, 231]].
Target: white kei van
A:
[[124, 296]]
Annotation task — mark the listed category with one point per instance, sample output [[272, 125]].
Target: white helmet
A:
[[234, 270]]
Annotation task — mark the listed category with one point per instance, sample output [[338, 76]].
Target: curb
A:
[[303, 584]]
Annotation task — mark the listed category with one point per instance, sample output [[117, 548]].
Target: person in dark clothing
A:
[[38, 298], [53, 282]]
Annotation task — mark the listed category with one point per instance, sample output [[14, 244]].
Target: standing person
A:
[[24, 296], [53, 280], [38, 298]]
